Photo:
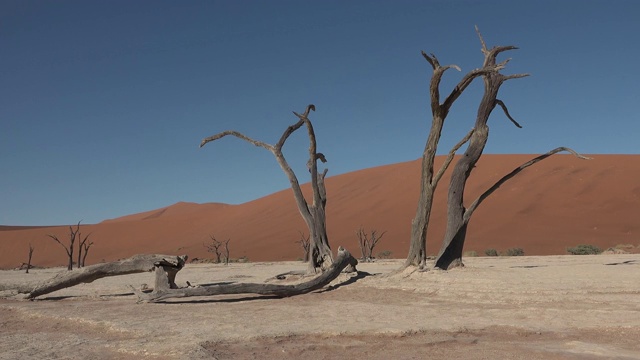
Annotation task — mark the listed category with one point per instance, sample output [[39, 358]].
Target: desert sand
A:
[[559, 202], [531, 307]]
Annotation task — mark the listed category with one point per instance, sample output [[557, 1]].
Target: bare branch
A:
[[481, 198], [506, 112], [484, 45], [514, 76], [238, 135], [431, 59], [450, 156]]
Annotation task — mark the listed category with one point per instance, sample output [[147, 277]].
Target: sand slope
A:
[[559, 202]]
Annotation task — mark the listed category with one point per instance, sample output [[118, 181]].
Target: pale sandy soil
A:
[[552, 307]]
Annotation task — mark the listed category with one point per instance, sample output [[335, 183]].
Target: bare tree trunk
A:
[[343, 260], [86, 252], [452, 255], [30, 256], [451, 252], [132, 265], [314, 214], [429, 180]]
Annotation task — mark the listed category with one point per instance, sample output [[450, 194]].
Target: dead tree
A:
[[30, 256], [86, 248], [132, 265], [458, 216], [368, 243], [73, 235], [226, 252], [429, 179], [214, 248], [314, 215], [305, 244], [342, 261], [82, 245]]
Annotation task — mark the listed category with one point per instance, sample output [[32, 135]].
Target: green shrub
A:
[[584, 249], [491, 252], [515, 252], [384, 254]]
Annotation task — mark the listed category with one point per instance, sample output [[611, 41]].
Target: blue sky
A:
[[103, 103]]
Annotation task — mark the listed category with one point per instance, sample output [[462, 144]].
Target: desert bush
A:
[[584, 249], [624, 246], [384, 254], [514, 252], [471, 253], [491, 252]]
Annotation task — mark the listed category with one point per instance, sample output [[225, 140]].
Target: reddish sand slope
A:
[[559, 202]]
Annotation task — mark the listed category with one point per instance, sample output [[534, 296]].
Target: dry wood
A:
[[132, 265], [313, 214], [450, 253], [418, 246], [342, 260]]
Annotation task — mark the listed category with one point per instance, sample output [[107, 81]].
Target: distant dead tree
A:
[[30, 256], [313, 214], [305, 244], [214, 248], [368, 243], [73, 235], [457, 217], [82, 246], [86, 248], [226, 251]]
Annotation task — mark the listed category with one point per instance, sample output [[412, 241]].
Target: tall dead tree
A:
[[429, 179], [458, 216], [314, 214], [73, 235]]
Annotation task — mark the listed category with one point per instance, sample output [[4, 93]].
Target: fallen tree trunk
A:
[[343, 260], [132, 265]]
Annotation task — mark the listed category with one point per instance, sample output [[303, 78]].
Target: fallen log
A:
[[343, 260], [135, 264]]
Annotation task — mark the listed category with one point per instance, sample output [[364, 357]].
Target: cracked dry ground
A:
[[555, 307]]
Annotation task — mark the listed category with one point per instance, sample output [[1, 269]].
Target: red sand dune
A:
[[559, 202]]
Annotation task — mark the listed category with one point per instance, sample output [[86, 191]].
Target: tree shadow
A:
[[360, 275], [628, 262]]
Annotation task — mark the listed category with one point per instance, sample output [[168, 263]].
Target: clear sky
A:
[[103, 103]]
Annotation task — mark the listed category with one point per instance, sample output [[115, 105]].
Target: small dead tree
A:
[[73, 235], [305, 244], [458, 216], [30, 256], [226, 251], [82, 245], [86, 248], [368, 243], [214, 248], [313, 214]]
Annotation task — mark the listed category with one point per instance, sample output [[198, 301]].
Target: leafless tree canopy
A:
[[457, 216], [367, 242], [313, 214]]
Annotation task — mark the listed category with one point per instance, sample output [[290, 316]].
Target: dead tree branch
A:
[[313, 214], [343, 259], [132, 265]]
